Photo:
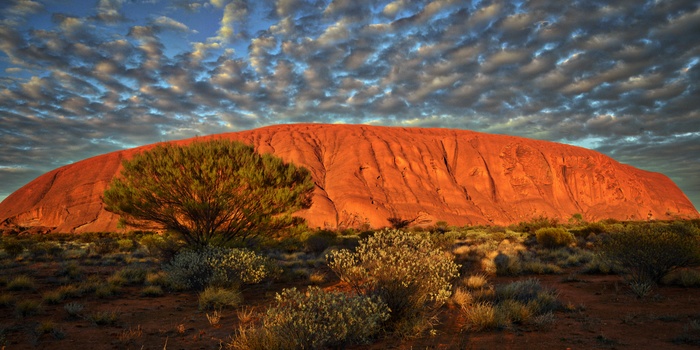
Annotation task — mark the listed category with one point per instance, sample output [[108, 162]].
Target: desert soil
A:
[[606, 316]]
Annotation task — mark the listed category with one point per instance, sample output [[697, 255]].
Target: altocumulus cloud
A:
[[620, 77]]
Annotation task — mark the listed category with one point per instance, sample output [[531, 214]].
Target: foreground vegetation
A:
[[318, 289]]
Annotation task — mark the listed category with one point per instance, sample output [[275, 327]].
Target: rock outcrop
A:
[[367, 174]]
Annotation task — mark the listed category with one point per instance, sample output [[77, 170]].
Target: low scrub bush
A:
[[554, 237], [404, 269], [315, 320], [225, 267], [650, 251]]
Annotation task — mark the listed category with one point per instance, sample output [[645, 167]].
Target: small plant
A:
[[72, 270], [27, 307], [152, 291], [481, 316], [519, 302], [317, 278], [22, 282], [641, 289], [315, 320], [683, 278], [554, 237], [128, 275], [106, 290], [245, 315], [130, 335], [476, 282], [52, 297], [74, 309], [6, 300], [104, 318], [214, 318], [461, 297], [159, 278], [50, 327], [217, 298]]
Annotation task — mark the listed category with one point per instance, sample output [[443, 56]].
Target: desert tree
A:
[[209, 192]]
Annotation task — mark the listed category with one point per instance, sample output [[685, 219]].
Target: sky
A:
[[80, 78]]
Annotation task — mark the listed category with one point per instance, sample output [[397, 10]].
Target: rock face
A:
[[367, 174]]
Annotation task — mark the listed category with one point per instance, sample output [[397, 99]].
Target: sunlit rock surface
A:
[[366, 174]]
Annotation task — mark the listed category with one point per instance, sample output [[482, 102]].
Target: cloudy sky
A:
[[80, 78]]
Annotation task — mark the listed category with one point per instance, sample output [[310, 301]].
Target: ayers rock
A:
[[366, 174]]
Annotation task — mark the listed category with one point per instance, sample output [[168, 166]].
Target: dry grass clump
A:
[[523, 302], [21, 282], [217, 298]]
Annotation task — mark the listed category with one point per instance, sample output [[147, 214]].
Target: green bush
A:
[[650, 251], [315, 320], [404, 269], [554, 237], [225, 267]]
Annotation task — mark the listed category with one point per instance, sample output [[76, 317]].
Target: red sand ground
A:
[[609, 317]]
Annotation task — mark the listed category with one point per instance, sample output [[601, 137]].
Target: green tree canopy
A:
[[213, 191]]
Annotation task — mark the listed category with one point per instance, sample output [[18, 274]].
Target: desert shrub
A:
[[126, 244], [27, 307], [213, 298], [683, 278], [315, 320], [49, 327], [405, 270], [648, 252], [197, 269], [74, 309], [554, 237], [12, 247]]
